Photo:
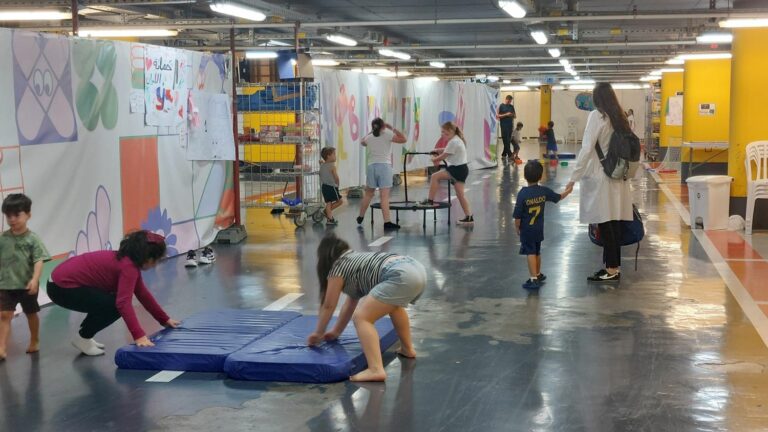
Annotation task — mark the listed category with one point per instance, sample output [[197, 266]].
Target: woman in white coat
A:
[[603, 201]]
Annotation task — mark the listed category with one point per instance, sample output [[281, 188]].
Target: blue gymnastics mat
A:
[[561, 156], [283, 355], [203, 341]]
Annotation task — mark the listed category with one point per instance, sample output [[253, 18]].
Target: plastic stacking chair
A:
[[757, 180]]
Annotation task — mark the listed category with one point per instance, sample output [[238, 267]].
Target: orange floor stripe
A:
[[732, 246], [752, 275]]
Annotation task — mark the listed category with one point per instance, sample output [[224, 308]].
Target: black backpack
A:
[[623, 155]]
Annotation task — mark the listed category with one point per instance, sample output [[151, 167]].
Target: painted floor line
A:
[[283, 301], [684, 214], [380, 241], [165, 376], [744, 259], [475, 183], [747, 303]]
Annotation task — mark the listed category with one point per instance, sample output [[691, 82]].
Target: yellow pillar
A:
[[706, 82], [545, 112], [749, 93], [671, 85]]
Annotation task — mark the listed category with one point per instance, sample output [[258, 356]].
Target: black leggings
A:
[[99, 305], [506, 138], [610, 232]]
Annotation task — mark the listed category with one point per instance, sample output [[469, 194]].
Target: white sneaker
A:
[[207, 256], [97, 344], [191, 259], [86, 346]]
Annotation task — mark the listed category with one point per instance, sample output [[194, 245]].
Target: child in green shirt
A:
[[22, 254]]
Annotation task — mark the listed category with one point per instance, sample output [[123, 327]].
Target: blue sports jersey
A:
[[530, 210]]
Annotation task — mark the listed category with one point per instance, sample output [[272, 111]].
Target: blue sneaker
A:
[[532, 284], [541, 277]]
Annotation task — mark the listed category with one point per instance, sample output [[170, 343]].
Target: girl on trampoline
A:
[[381, 283], [455, 154]]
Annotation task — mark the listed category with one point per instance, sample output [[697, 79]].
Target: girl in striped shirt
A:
[[387, 281]]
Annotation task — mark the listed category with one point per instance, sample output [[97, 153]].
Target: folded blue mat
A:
[[561, 156], [283, 355], [203, 341]]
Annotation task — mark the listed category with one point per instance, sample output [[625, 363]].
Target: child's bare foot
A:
[[369, 375], [407, 352], [33, 347]]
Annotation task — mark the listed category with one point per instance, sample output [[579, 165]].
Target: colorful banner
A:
[[416, 107], [93, 168]]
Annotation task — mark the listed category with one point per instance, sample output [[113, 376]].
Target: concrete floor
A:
[[667, 350]]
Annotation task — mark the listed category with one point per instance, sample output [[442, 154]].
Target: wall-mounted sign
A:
[[707, 109]]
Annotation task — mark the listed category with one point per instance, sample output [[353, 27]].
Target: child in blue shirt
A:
[[529, 220], [551, 140]]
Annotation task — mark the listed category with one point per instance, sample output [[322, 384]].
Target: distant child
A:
[[329, 178], [516, 140], [551, 141], [529, 220], [22, 254]]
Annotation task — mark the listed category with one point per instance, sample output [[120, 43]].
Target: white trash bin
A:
[[709, 197]]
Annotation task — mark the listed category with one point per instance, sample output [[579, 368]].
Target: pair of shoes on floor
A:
[[467, 221], [603, 276], [532, 284], [391, 226], [88, 347], [206, 257], [332, 222]]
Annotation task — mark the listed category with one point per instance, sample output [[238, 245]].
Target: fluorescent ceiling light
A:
[[396, 54], [480, 76], [428, 78], [554, 52], [705, 56], [492, 78], [625, 86], [655, 73], [118, 32], [581, 87], [650, 78], [515, 88], [513, 8], [341, 39], [324, 62], [34, 15], [393, 74], [274, 43], [668, 70], [506, 82], [558, 87], [533, 83], [260, 55], [675, 61], [715, 38], [573, 73], [437, 64], [356, 70], [374, 71], [539, 36], [564, 62], [744, 22], [578, 82], [238, 10]]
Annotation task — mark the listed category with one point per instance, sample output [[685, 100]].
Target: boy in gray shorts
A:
[[329, 178]]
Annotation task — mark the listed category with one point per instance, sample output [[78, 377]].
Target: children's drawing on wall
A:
[[584, 102], [210, 127], [212, 73], [165, 86], [42, 81]]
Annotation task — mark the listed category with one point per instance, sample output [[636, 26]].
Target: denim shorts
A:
[[403, 279], [379, 175]]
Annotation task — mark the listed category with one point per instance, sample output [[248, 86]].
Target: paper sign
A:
[[165, 86], [707, 109], [210, 127], [137, 101]]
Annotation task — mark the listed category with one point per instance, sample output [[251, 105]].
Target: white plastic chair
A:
[[757, 180]]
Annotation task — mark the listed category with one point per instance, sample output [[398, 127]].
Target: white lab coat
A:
[[602, 198]]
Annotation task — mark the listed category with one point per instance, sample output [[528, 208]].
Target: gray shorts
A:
[[379, 175], [402, 281]]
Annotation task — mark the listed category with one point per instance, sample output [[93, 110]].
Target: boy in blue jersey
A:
[[529, 220]]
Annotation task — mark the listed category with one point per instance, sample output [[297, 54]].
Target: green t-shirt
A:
[[18, 255]]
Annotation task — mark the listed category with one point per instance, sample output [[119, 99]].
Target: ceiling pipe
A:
[[137, 3], [212, 24]]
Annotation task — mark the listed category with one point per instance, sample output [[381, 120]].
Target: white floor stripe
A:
[[284, 301], [747, 303], [477, 183], [165, 376], [380, 241]]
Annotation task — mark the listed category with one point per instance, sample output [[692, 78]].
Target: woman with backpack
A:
[[604, 200]]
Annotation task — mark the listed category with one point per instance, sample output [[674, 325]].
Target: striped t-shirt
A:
[[361, 271]]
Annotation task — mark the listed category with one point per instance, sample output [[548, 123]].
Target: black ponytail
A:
[[142, 247], [376, 126], [329, 250]]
